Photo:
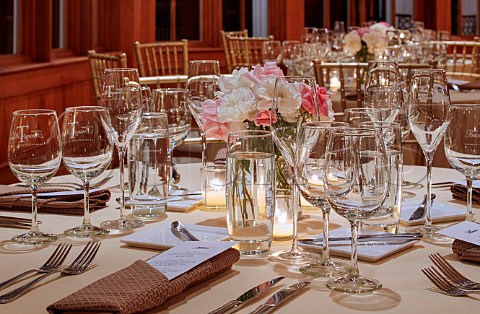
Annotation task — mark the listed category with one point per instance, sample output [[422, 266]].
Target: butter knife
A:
[[255, 292], [419, 213], [370, 237], [280, 297]]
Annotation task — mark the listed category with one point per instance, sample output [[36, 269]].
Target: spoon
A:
[[181, 232], [419, 213]]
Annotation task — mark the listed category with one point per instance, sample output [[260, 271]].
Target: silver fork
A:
[[444, 285], [456, 277], [78, 266], [53, 263]]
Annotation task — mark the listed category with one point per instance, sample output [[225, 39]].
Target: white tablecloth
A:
[[405, 288]]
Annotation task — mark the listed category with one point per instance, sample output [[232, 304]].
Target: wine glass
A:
[[291, 51], [428, 115], [355, 157], [462, 146], [87, 152], [272, 51], [122, 98], [285, 121], [312, 143], [171, 101], [355, 116], [202, 83], [34, 156], [388, 99]]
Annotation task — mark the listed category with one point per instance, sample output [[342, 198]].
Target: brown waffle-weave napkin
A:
[[140, 287], [62, 204], [466, 251], [459, 192]]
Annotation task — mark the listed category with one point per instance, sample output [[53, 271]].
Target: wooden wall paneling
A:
[[286, 19], [35, 27], [327, 21], [443, 15]]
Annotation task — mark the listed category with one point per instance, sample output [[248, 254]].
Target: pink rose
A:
[[263, 118], [362, 31], [384, 23], [308, 102], [259, 72], [210, 109], [271, 68], [322, 96], [216, 130]]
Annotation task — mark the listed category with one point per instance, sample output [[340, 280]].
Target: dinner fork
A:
[[454, 275], [446, 286], [78, 266], [53, 263]]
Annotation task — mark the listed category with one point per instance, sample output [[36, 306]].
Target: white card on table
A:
[[466, 231], [185, 256]]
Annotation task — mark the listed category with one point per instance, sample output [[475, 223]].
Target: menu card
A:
[[466, 231], [185, 256]]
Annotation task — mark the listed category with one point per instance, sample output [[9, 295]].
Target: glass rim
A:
[[475, 106], [34, 112], [204, 61], [381, 124], [169, 89], [361, 109], [350, 131], [87, 108], [324, 124], [287, 77], [250, 133], [121, 69], [428, 70]]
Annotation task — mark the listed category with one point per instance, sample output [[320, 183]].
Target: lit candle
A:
[[283, 225], [215, 197], [334, 84]]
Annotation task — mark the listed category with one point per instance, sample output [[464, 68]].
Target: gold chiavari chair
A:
[[225, 37], [461, 59], [99, 62], [163, 59], [246, 51]]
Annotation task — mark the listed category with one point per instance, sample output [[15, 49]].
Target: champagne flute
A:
[[34, 156], [122, 98], [288, 114], [87, 152], [356, 183], [462, 146], [312, 143], [428, 115], [171, 101], [202, 83]]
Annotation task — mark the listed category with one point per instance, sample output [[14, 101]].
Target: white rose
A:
[[290, 101], [352, 42], [236, 105], [380, 27], [237, 80], [264, 92], [374, 40]]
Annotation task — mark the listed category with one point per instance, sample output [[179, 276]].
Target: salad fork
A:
[[53, 263], [446, 286], [454, 275], [78, 266]]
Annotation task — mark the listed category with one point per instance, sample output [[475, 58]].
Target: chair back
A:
[[225, 38], [246, 51], [99, 62], [162, 58], [461, 59]]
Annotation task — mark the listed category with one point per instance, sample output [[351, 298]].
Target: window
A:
[[8, 27], [58, 24], [178, 19]]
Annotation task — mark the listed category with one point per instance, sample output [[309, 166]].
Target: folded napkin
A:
[[61, 204], [140, 287], [220, 157], [466, 251], [459, 192]]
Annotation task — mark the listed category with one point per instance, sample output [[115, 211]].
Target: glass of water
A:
[[251, 190], [149, 167]]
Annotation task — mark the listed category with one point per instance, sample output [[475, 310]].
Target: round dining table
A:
[[405, 288]]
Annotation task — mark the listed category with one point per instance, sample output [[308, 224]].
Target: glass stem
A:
[[295, 212], [86, 203], [428, 206], [121, 159], [354, 266], [469, 216], [34, 189], [326, 223], [204, 149]]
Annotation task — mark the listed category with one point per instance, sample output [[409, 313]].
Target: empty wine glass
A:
[[388, 99], [172, 102], [291, 51], [202, 83], [87, 152], [462, 146], [287, 116], [122, 98], [272, 51], [355, 116], [428, 115], [312, 143], [356, 182], [34, 156]]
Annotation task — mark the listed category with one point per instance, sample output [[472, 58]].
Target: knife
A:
[[255, 292], [280, 297], [370, 237], [420, 211]]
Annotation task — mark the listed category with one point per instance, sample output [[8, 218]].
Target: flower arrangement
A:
[[245, 101], [363, 41]]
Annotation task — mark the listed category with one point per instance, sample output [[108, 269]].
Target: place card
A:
[[185, 256], [466, 231]]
